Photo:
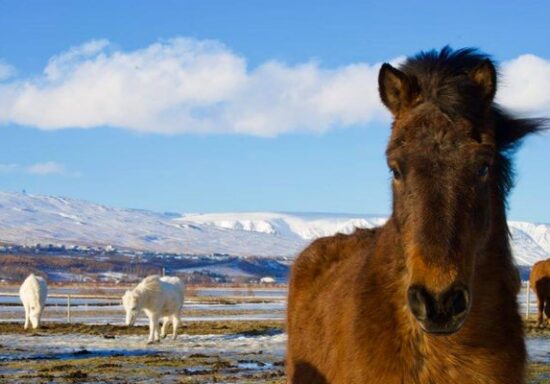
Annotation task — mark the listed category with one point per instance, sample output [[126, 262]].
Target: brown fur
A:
[[540, 283], [349, 321]]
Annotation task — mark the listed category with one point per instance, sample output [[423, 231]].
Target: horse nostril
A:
[[421, 302], [457, 301], [443, 313]]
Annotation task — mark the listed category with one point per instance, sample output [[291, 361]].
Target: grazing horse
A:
[[33, 293], [429, 297], [159, 298], [540, 283]]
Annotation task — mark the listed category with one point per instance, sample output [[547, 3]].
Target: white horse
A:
[[159, 297], [33, 293]]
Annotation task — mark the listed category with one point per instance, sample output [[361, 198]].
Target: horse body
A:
[[430, 297], [160, 298], [540, 283], [356, 328], [33, 293]]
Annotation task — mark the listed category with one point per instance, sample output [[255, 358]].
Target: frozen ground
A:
[[539, 349], [114, 313], [228, 342], [18, 347], [204, 305], [240, 354], [229, 358], [268, 304]]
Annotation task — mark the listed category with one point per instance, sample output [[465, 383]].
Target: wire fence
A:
[[69, 302]]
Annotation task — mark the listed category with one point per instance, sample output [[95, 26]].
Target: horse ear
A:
[[397, 90], [485, 76]]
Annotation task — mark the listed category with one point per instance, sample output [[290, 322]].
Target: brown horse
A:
[[430, 297], [540, 283]]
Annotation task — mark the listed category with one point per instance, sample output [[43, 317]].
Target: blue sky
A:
[[234, 144]]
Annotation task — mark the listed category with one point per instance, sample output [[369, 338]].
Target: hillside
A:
[[31, 219]]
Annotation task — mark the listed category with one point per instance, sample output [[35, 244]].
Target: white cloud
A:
[[40, 169], [47, 168], [187, 85], [525, 85], [6, 70], [8, 168]]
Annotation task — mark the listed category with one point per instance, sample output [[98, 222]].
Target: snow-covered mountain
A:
[[303, 226], [530, 242], [30, 219]]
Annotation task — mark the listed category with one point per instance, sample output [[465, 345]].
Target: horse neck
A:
[[496, 263], [144, 297]]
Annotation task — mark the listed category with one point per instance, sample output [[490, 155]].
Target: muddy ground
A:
[[108, 330], [153, 366], [145, 366]]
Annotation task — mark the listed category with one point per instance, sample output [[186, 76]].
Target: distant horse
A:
[[33, 293], [160, 298], [429, 297], [540, 283]]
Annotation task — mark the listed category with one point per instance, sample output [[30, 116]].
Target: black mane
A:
[[443, 78]]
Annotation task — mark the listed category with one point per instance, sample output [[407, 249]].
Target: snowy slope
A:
[[530, 242], [31, 219], [305, 226]]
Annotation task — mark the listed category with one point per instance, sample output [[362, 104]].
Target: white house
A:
[[267, 280]]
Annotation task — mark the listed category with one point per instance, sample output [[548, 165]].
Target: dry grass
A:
[[137, 369], [539, 373], [162, 367], [532, 330], [192, 328], [192, 369], [151, 368]]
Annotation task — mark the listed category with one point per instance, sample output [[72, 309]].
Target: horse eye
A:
[[483, 171], [395, 172]]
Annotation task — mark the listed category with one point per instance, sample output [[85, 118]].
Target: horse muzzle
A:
[[441, 314]]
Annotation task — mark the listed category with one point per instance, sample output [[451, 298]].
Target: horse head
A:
[[131, 304], [447, 155]]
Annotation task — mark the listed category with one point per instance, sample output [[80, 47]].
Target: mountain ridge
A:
[[30, 219]]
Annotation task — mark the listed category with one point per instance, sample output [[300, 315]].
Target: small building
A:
[[267, 280]]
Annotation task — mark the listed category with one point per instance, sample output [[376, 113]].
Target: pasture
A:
[[227, 336]]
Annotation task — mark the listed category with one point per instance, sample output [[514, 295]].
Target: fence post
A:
[[68, 308], [528, 300]]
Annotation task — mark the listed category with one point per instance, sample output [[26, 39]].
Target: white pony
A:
[[33, 293], [159, 297]]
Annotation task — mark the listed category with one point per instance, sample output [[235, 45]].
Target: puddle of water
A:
[[538, 349], [77, 354], [197, 370], [253, 365]]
